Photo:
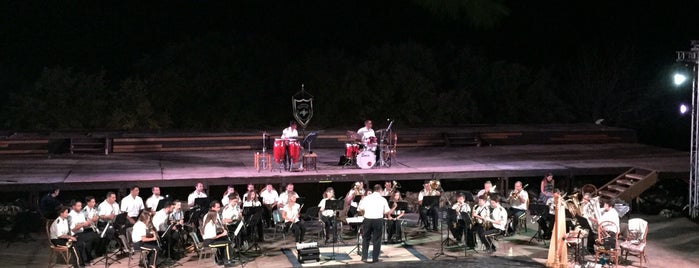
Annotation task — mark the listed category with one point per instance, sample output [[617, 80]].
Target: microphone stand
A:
[[382, 161]]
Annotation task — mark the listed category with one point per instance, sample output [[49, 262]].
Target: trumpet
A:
[[515, 194]]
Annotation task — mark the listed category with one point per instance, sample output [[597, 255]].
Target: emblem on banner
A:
[[302, 104]]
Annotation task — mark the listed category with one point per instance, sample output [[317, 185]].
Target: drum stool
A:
[[267, 158], [310, 160]]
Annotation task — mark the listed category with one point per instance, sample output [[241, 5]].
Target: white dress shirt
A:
[[325, 212], [516, 203], [160, 220], [105, 209], [194, 195], [292, 212], [284, 198], [132, 205], [365, 133], [139, 230], [59, 227], [152, 201], [499, 214], [76, 218], [231, 212], [269, 197], [613, 216], [289, 133], [374, 206]]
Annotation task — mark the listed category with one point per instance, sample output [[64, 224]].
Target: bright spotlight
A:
[[683, 109], [679, 79]]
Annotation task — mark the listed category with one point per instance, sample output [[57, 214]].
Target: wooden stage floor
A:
[[79, 172]]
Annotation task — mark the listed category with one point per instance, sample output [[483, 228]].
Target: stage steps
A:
[[629, 184]]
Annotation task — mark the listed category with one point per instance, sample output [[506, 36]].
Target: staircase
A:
[[628, 185]]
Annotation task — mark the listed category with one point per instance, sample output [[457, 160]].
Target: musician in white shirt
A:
[[327, 216], [428, 210], [254, 220], [153, 200], [90, 210], [108, 209], [132, 204], [375, 207], [609, 214], [290, 213], [216, 236], [290, 132], [59, 233], [78, 225], [144, 237], [461, 221], [498, 217], [251, 187], [519, 198], [366, 132], [284, 196], [487, 190], [269, 201], [198, 193], [226, 195], [394, 223]]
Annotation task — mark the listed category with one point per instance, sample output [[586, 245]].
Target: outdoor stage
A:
[[178, 169]]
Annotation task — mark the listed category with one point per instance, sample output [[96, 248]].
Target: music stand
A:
[[161, 203], [538, 210], [441, 230], [300, 201], [335, 205], [255, 217], [310, 138]]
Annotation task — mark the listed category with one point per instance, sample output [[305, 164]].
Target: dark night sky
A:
[[114, 36]]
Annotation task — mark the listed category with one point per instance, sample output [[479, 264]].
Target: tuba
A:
[[435, 185], [394, 185]]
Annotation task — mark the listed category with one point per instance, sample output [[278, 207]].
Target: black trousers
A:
[[459, 230], [515, 214], [89, 240], [152, 250], [224, 248], [430, 212], [330, 227], [482, 232], [393, 227], [372, 230], [298, 229]]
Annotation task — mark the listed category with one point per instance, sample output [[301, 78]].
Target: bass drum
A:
[[366, 159]]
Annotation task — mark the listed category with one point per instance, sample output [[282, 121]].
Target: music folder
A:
[[335, 204]]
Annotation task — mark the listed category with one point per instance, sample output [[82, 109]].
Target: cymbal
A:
[[352, 135]]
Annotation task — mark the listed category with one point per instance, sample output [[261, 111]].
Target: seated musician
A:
[[430, 211], [144, 236], [232, 215], [487, 190], [290, 132], [250, 187], [215, 235], [290, 213], [269, 201], [161, 221], [367, 135], [357, 190], [284, 196], [462, 221], [498, 218], [226, 195], [519, 198], [107, 212], [546, 188], [254, 221], [59, 233], [546, 221], [132, 204], [327, 216], [609, 214], [589, 213], [83, 230], [394, 219], [198, 193]]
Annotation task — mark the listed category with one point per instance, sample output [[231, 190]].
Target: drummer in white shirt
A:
[[290, 132], [366, 133]]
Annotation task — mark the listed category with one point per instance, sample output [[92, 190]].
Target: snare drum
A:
[[351, 150], [294, 149], [366, 159]]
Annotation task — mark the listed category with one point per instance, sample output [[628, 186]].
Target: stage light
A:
[[679, 79], [683, 109]]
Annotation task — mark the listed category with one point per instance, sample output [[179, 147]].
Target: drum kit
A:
[[363, 153]]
